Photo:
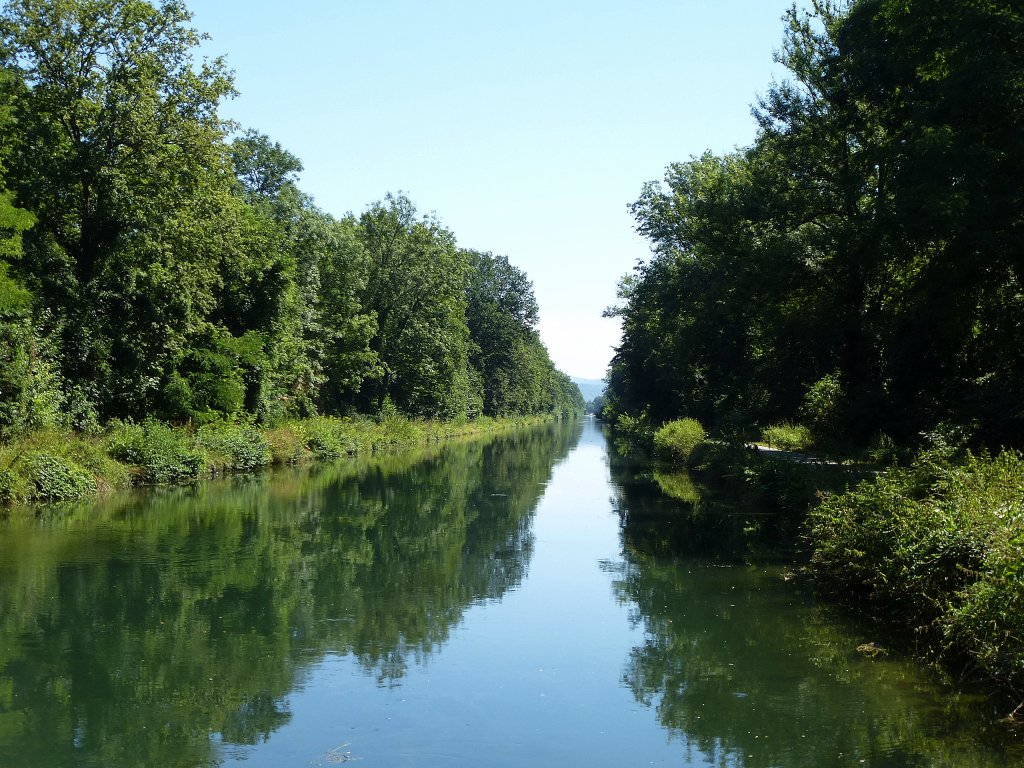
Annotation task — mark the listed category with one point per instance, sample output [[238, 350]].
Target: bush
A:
[[327, 438], [234, 447], [54, 465], [162, 454], [287, 444], [825, 404], [676, 440], [14, 487], [91, 454], [788, 437], [937, 550], [56, 478]]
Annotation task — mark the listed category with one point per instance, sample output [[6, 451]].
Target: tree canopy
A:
[[157, 260], [858, 268]]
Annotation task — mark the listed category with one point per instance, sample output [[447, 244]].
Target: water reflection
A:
[[153, 629], [666, 511], [746, 670]]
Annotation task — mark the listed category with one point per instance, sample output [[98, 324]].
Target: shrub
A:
[[824, 404], [287, 444], [788, 437], [938, 550], [55, 478], [91, 454], [162, 454], [327, 438], [676, 440], [15, 486], [234, 447]]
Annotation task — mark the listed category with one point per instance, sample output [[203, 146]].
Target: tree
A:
[[416, 291], [263, 167], [119, 154], [501, 313], [868, 245], [29, 395]]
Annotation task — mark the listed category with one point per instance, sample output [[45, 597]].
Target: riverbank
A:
[[56, 465], [932, 553]]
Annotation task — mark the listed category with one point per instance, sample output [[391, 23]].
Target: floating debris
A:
[[337, 755], [871, 650]]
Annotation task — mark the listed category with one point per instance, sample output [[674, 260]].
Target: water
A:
[[523, 600]]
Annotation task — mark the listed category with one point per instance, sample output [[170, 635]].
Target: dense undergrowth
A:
[[930, 548], [932, 551], [936, 551], [58, 465]]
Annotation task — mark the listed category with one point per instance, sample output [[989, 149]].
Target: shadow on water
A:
[[746, 669], [151, 628]]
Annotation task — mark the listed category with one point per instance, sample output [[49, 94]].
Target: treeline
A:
[[858, 268], [156, 261]]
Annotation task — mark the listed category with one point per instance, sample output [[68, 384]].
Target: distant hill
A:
[[590, 388]]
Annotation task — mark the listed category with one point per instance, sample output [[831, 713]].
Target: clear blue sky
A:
[[527, 126]]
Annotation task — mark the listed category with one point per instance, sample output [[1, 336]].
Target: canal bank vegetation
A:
[[850, 284], [936, 550], [376, 559], [158, 262], [54, 465]]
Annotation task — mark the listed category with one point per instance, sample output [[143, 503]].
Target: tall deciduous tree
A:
[[119, 153], [416, 291], [501, 313], [859, 266]]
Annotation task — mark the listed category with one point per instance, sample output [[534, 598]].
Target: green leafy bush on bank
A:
[[160, 453], [676, 440], [787, 436], [234, 447], [936, 549], [55, 465]]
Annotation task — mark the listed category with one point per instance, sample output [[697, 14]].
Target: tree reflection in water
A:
[[152, 628], [746, 670]]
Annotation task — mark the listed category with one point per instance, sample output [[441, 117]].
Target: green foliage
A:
[[288, 444], [842, 248], [936, 550], [516, 375], [676, 440], [329, 438], [787, 436], [52, 465], [633, 431], [823, 404], [119, 154], [55, 478], [234, 447], [30, 393], [416, 290], [151, 265], [161, 453]]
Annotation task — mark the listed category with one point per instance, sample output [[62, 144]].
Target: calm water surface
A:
[[526, 600]]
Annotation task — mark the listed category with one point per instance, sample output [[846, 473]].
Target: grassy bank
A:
[[932, 552], [56, 465], [936, 552]]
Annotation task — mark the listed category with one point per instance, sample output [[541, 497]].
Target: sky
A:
[[527, 127]]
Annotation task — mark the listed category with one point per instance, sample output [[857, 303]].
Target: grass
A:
[[55, 465], [787, 436]]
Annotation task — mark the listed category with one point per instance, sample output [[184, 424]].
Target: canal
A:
[[527, 599]]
